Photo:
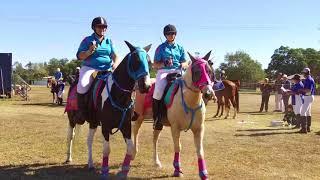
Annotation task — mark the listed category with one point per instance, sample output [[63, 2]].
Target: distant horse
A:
[[111, 105], [187, 111], [228, 95], [54, 90]]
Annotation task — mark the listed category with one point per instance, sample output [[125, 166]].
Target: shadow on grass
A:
[[53, 171], [269, 129], [255, 113], [264, 134], [44, 104]]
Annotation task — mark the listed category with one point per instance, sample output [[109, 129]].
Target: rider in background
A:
[[168, 58], [58, 75], [223, 75], [97, 54]]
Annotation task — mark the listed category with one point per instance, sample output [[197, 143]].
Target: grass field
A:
[[33, 145]]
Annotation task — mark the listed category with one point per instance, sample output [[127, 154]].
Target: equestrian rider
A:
[[223, 75], [97, 54], [168, 58], [58, 75], [309, 90]]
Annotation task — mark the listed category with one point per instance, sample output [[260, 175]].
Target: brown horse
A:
[[229, 95]]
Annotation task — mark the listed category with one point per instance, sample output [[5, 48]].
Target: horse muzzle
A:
[[208, 92], [144, 84]]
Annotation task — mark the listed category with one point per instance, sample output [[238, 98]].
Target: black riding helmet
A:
[[168, 29], [98, 21]]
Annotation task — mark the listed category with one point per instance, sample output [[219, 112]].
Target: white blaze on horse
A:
[[110, 105], [187, 111]]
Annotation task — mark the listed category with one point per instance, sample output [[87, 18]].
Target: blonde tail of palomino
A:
[[110, 105], [186, 111]]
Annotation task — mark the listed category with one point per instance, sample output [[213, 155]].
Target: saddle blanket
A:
[[218, 86]]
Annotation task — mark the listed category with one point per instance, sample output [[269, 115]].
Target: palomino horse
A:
[[186, 112], [111, 105], [230, 94]]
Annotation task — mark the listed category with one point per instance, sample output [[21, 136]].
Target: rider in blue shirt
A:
[[97, 53], [58, 75], [168, 58], [309, 90]]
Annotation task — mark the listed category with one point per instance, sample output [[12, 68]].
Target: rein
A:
[[186, 108], [124, 110]]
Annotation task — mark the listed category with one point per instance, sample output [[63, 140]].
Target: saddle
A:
[[169, 92]]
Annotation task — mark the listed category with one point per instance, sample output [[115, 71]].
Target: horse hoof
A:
[[68, 161], [225, 117], [158, 165], [234, 117], [121, 175], [177, 174], [92, 168]]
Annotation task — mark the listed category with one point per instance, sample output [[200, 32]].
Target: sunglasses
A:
[[170, 33], [101, 26]]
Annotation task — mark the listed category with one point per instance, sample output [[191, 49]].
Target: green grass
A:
[[33, 145]]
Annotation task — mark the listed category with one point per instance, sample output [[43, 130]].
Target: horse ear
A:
[[206, 57], [147, 48], [131, 47], [191, 57]]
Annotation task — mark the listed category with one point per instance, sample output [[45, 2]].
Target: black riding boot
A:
[[82, 114], [303, 125], [308, 123], [157, 118], [298, 122]]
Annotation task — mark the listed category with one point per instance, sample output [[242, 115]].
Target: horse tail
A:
[[237, 98]]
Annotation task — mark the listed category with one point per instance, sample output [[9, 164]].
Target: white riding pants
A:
[[161, 82]]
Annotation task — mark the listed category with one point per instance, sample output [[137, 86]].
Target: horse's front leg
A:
[[90, 137], [70, 137], [222, 105], [126, 132], [137, 121], [177, 148], [198, 141], [218, 109]]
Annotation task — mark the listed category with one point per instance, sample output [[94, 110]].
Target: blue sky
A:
[[36, 31]]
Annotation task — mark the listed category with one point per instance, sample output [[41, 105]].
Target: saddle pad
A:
[[218, 86], [72, 101], [168, 99]]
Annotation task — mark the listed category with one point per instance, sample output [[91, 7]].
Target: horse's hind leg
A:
[[156, 134], [136, 124], [234, 108], [177, 148], [106, 153], [198, 141], [92, 131], [227, 105], [70, 137]]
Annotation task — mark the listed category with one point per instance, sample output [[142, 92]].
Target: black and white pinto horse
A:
[[113, 106]]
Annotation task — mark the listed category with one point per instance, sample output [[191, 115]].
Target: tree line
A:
[[237, 65]]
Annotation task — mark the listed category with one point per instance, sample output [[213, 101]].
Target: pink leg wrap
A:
[[176, 164], [126, 165], [202, 169]]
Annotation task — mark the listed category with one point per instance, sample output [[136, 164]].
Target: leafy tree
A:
[[240, 66]]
